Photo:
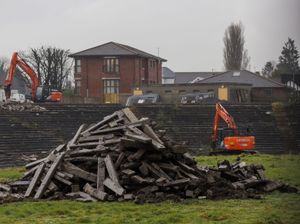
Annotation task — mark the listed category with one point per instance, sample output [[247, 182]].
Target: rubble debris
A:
[[29, 158], [124, 158], [17, 106]]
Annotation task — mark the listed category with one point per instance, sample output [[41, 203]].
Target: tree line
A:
[[54, 67], [51, 64], [288, 61], [235, 56]]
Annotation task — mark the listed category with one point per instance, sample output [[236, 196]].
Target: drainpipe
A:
[[134, 79], [158, 66], [87, 78]]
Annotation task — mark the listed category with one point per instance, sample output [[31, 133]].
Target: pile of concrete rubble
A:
[[17, 106], [124, 158]]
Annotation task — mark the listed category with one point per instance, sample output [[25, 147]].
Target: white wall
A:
[[168, 81]]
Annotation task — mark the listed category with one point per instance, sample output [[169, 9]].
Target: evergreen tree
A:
[[288, 60], [268, 69]]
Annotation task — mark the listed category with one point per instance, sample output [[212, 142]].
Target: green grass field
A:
[[274, 208]]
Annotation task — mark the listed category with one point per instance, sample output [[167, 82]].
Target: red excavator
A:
[[38, 93], [230, 140]]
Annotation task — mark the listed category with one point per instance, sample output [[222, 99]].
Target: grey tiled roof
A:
[[187, 77], [114, 49], [167, 73], [242, 76]]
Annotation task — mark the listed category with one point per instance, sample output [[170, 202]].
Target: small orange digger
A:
[[230, 140]]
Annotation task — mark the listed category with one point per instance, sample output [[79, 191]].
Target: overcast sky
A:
[[188, 33]]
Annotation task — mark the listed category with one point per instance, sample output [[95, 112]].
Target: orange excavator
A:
[[38, 93], [230, 140]]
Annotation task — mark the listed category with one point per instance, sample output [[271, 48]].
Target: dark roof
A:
[[167, 73], [242, 76], [276, 79], [114, 49], [187, 77]]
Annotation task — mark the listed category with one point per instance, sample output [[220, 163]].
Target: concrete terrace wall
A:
[[194, 123], [35, 133]]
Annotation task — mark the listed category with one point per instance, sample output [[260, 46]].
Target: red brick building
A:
[[113, 70]]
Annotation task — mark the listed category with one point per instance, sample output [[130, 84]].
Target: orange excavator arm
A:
[[16, 60], [221, 112]]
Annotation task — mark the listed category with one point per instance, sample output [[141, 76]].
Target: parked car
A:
[[142, 99], [198, 98]]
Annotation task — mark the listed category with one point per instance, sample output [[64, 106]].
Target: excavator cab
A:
[[235, 139], [46, 94]]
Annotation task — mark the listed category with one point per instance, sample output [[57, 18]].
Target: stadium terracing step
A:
[[35, 133]]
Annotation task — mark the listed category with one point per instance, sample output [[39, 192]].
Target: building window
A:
[[152, 63], [181, 91], [168, 91], [111, 86], [148, 91], [236, 74], [111, 65], [144, 63], [196, 91], [268, 92], [77, 87], [77, 66]]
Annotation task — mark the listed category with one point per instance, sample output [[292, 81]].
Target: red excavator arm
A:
[[16, 60], [221, 112]]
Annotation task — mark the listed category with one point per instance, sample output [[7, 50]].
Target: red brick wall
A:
[[154, 72], [137, 72], [159, 72], [91, 81], [269, 94], [127, 74], [131, 74]]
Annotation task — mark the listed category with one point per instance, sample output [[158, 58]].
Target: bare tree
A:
[[245, 60], [3, 65], [3, 70], [52, 65], [235, 57]]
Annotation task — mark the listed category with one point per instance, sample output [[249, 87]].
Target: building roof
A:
[[114, 49], [242, 76], [167, 73], [188, 77], [276, 79]]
